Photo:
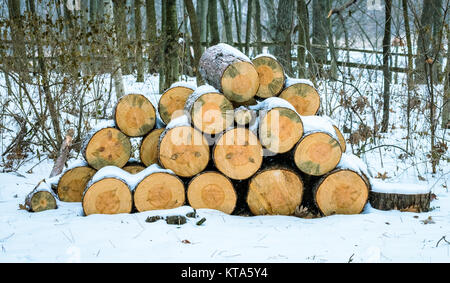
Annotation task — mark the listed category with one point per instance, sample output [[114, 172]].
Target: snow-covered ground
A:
[[65, 235]]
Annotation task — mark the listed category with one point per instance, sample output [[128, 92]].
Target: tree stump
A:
[[148, 152], [73, 183], [238, 153], [135, 115], [230, 71], [271, 75], [302, 95], [212, 190], [171, 104], [275, 191]]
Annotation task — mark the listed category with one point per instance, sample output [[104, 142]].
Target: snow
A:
[[354, 163], [201, 90], [313, 124], [184, 84], [292, 81], [265, 55], [232, 51], [398, 188], [272, 102]]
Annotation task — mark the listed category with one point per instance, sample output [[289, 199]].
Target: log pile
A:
[[249, 141]]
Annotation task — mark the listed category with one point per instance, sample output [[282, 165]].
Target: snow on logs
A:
[[230, 71]]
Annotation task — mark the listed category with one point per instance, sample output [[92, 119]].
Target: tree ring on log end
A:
[[107, 196], [172, 101], [135, 115], [41, 201], [73, 182], [148, 152], [240, 81], [303, 97], [271, 76]]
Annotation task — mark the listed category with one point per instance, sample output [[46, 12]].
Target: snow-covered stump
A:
[[172, 101], [302, 95], [237, 153], [42, 197], [318, 151], [105, 145], [135, 115], [344, 190], [148, 151], [183, 149], [158, 189], [280, 126], [230, 71], [271, 75], [108, 192], [72, 183], [209, 110], [275, 191], [212, 190], [400, 196]]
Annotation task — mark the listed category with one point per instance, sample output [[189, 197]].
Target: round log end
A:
[[240, 81], [172, 101], [303, 97], [148, 152], [271, 76], [135, 115], [41, 201], [73, 182]]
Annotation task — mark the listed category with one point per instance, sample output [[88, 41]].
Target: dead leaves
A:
[[383, 176]]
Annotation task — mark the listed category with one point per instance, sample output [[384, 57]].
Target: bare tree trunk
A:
[[202, 16], [151, 35], [195, 38], [282, 51], [171, 46], [424, 39], [162, 55], [437, 28], [319, 30], [409, 75], [303, 37], [227, 21], [258, 27], [121, 33], [446, 100], [248, 29], [138, 36], [386, 70], [212, 22], [17, 37], [93, 10], [237, 22]]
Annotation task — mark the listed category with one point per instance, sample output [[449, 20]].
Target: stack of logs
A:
[[247, 141]]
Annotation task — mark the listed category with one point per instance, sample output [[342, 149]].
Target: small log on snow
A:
[[344, 190], [148, 151], [108, 192], [183, 149], [230, 71], [159, 189], [280, 126], [238, 154], [271, 75], [275, 191], [318, 152], [212, 190], [73, 182], [135, 115], [302, 95], [403, 197], [41, 198], [172, 101], [210, 111], [105, 146]]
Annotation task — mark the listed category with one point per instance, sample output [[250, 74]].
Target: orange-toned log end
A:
[[159, 191], [405, 203], [271, 76], [341, 192], [303, 97], [148, 152], [275, 192], [238, 154], [133, 168], [171, 103], [107, 196], [280, 129], [108, 147], [212, 113], [317, 154], [341, 138], [240, 81], [212, 190], [135, 115], [184, 150], [41, 201], [73, 182]]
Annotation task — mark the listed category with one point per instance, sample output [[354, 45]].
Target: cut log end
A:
[[133, 168], [135, 115], [212, 113], [403, 202], [275, 192], [244, 116], [171, 103], [159, 191], [280, 129], [317, 154], [108, 147], [148, 151], [303, 97], [107, 196], [73, 183], [341, 192], [41, 201], [212, 190], [184, 150], [238, 154], [240, 82], [271, 76]]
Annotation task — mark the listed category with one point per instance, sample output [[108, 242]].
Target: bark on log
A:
[[271, 75], [148, 151], [230, 71], [135, 115], [302, 95], [212, 190], [171, 104]]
